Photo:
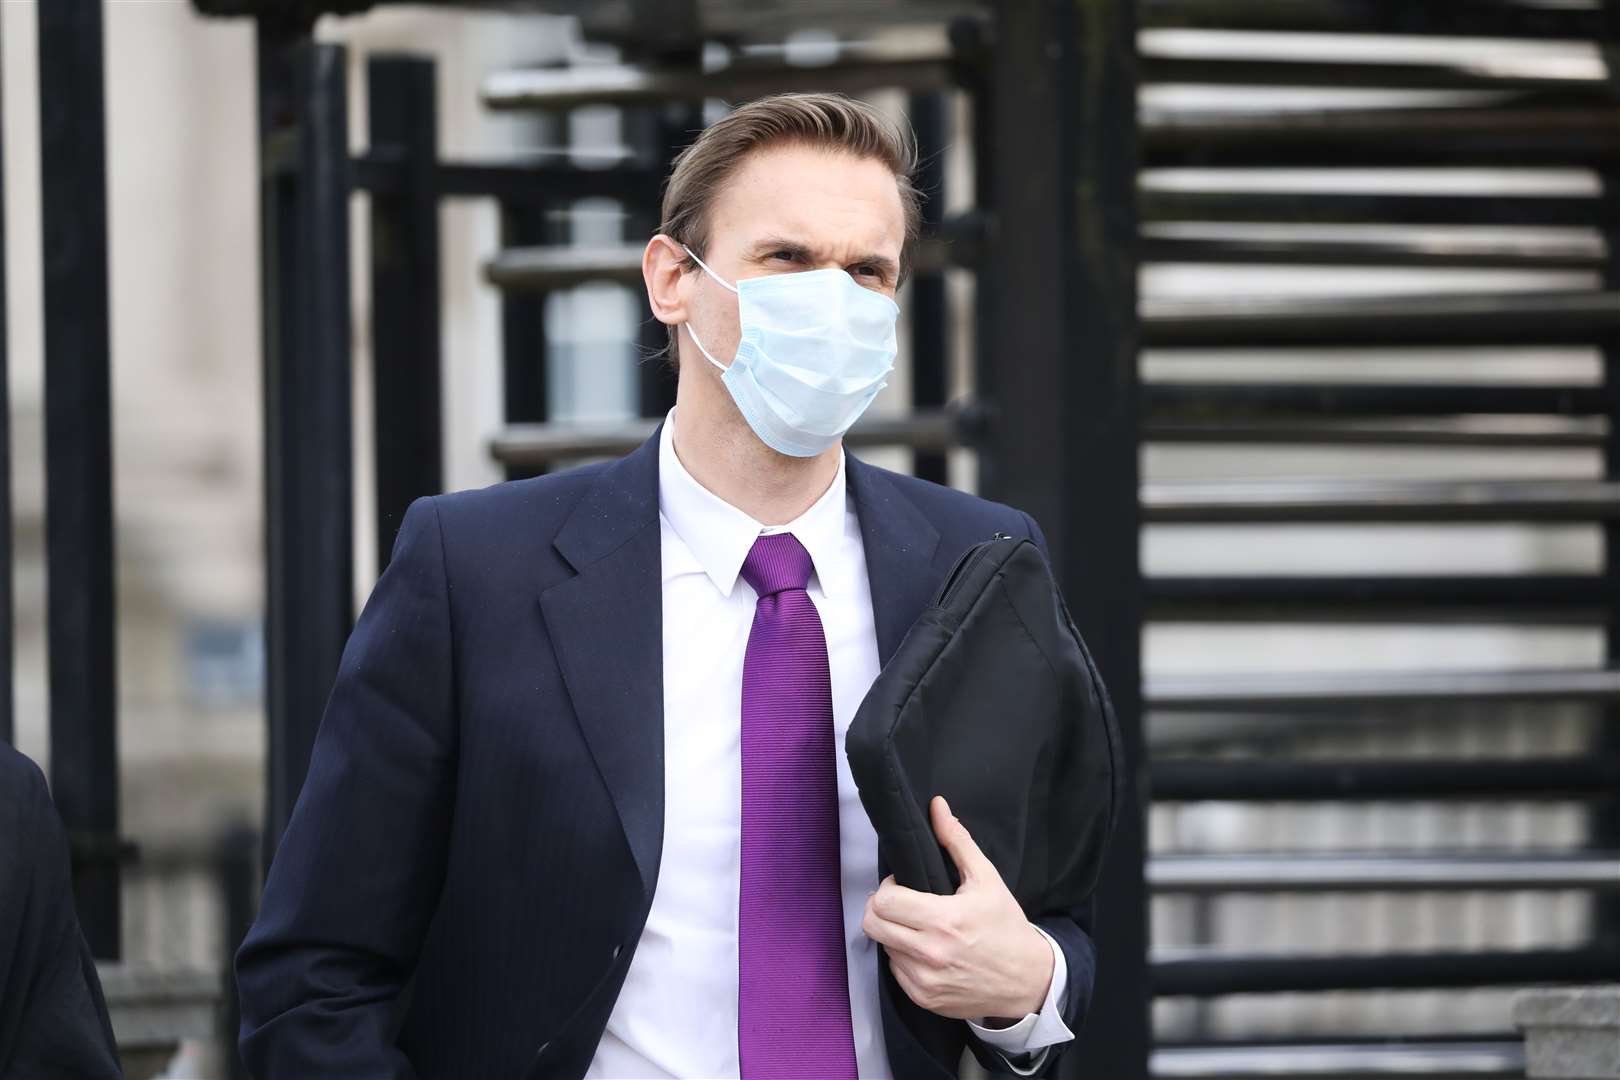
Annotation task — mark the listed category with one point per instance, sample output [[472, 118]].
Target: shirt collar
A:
[[719, 535]]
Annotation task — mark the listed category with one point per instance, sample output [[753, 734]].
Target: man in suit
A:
[[53, 1018], [578, 806]]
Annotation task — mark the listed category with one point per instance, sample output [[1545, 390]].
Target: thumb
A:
[[954, 838]]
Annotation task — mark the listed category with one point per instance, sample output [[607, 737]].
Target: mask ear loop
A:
[[706, 269], [706, 354], [693, 333]]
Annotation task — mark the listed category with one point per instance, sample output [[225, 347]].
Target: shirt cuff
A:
[[1027, 1040]]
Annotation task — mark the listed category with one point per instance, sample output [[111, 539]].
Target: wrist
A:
[[1033, 997]]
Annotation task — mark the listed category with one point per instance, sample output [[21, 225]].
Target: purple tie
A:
[[793, 982]]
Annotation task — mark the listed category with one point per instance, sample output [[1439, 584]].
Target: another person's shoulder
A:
[[27, 816], [23, 791]]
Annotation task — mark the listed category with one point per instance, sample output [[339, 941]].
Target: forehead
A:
[[827, 198]]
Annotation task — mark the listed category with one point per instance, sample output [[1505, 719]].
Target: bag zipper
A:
[[967, 559]]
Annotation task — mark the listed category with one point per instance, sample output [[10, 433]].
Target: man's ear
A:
[[661, 270]]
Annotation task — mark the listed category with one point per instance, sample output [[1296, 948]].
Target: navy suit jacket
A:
[[469, 866], [53, 1017]]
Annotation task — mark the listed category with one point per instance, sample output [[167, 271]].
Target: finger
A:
[[897, 937], [900, 967], [896, 903], [953, 837]]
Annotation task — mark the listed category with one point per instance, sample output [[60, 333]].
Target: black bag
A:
[[993, 701]]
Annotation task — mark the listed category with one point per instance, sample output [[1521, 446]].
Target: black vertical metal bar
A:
[[406, 372], [930, 312], [78, 452], [1060, 289], [1605, 817], [524, 341], [658, 134], [308, 471], [7, 726], [970, 42], [236, 862]]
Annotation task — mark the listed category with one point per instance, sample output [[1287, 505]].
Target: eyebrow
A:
[[885, 265]]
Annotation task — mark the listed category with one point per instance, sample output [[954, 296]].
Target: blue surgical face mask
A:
[[814, 352]]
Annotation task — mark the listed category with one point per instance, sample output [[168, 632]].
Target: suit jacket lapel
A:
[[606, 627], [900, 547]]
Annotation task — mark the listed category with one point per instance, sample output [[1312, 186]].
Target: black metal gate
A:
[[1059, 416]]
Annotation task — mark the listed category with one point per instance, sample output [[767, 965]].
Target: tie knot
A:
[[776, 562]]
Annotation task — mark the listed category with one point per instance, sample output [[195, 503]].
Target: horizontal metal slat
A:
[[1306, 690], [1381, 871], [1159, 204], [746, 20], [1462, 1060], [1182, 780], [554, 176], [1369, 137], [1541, 432], [1551, 73], [1229, 400], [1224, 974], [541, 444], [568, 88], [1460, 252], [1295, 501], [1555, 598], [1455, 18], [1534, 318], [543, 269]]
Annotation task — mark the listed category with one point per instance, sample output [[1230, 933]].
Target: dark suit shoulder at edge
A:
[[22, 780], [946, 506], [551, 490]]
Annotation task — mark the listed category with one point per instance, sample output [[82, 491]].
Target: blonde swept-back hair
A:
[[825, 121]]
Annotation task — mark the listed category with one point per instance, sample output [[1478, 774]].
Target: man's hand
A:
[[971, 955]]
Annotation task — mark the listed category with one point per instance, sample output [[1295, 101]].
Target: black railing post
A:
[[78, 456], [307, 371], [405, 327], [930, 310], [660, 133], [7, 727], [236, 861], [1605, 820], [1060, 290], [524, 342]]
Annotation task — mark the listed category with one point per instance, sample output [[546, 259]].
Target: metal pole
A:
[[1060, 294], [524, 340], [308, 485], [406, 371], [658, 133], [930, 311], [78, 456], [7, 727], [236, 863], [1605, 816]]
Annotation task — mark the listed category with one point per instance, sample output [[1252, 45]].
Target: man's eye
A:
[[869, 271], [791, 256]]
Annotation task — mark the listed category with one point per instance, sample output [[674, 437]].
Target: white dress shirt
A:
[[677, 1013]]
